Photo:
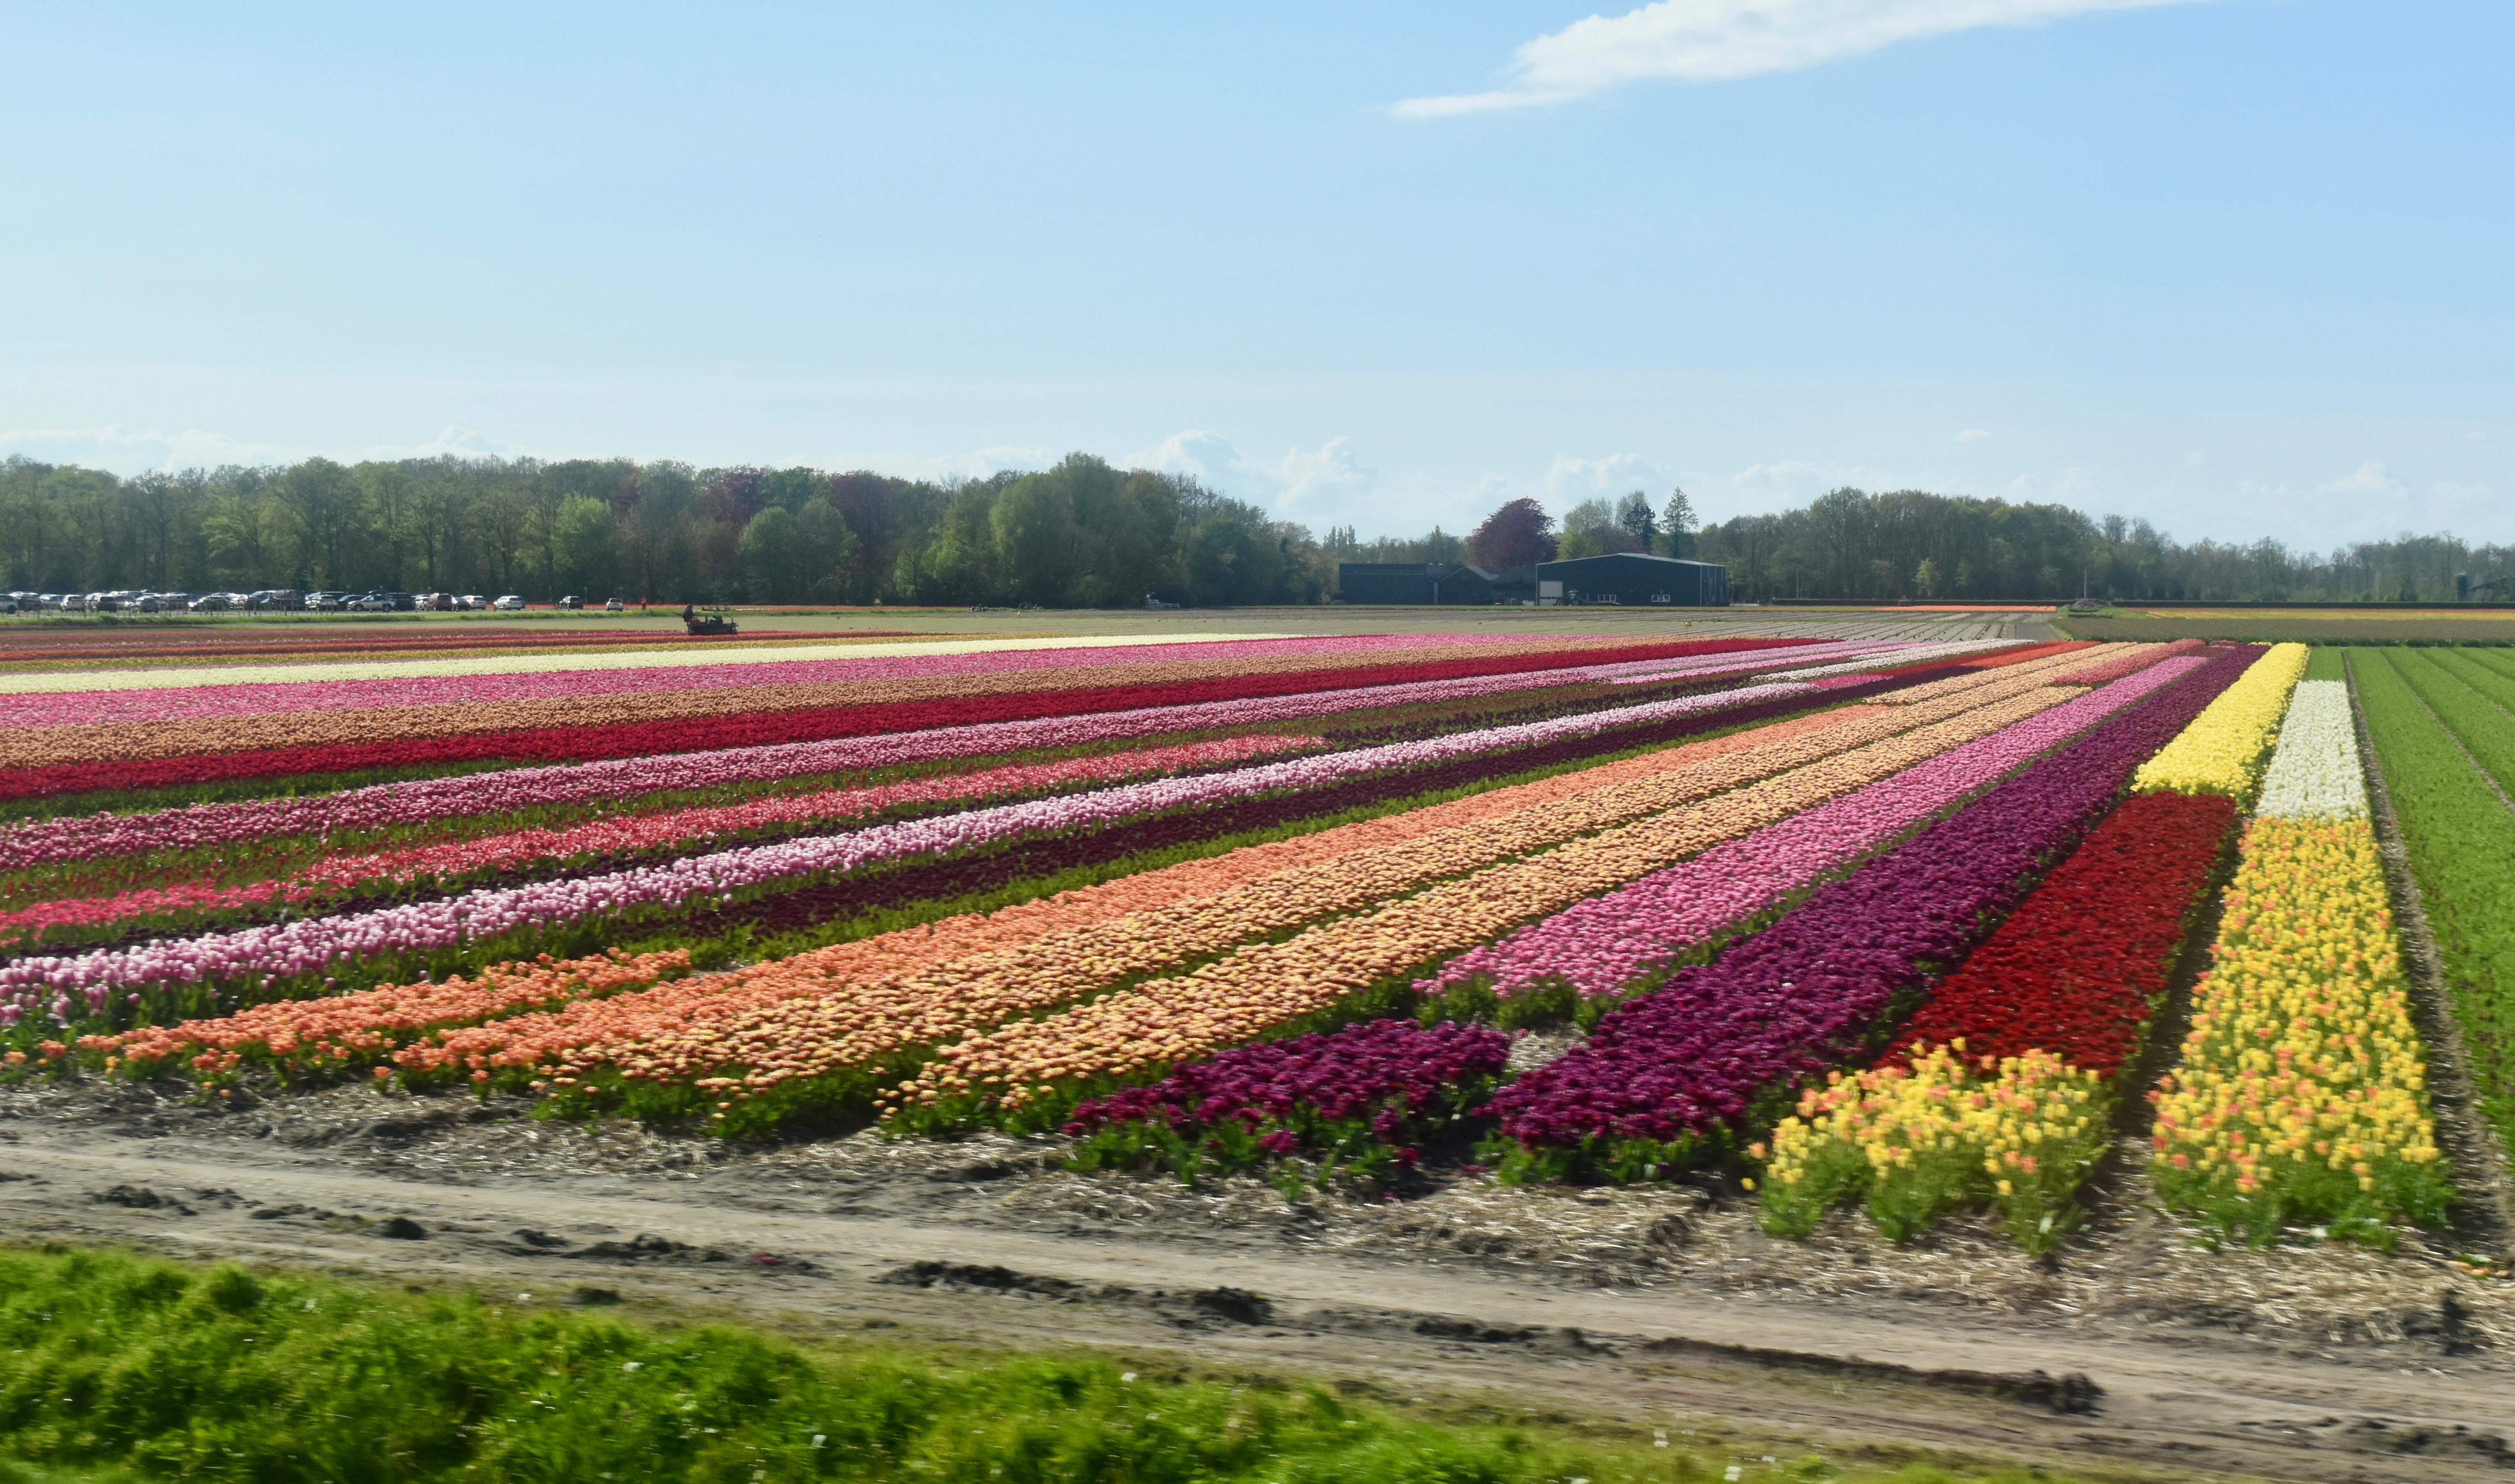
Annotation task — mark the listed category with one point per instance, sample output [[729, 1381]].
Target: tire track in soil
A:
[[1820, 1373]]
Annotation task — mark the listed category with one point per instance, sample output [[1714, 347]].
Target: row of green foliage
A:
[[123, 1368], [2484, 633], [2462, 842]]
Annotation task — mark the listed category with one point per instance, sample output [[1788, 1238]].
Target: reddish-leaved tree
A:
[[1520, 534]]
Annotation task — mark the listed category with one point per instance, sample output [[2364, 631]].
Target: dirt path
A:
[[1661, 1307]]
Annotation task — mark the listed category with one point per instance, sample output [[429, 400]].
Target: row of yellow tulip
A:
[[2225, 750], [2302, 1096], [1919, 1139]]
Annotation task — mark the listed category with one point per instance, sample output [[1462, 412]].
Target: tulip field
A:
[[1883, 932]]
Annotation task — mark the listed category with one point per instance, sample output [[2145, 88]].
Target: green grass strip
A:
[[2486, 731], [120, 1368], [2462, 842]]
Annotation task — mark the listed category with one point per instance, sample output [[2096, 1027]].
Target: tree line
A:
[[1081, 534]]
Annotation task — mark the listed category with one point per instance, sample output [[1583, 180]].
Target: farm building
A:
[[1438, 582], [1631, 579]]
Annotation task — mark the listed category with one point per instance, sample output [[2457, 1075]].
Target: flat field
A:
[[2309, 626], [1842, 1031]]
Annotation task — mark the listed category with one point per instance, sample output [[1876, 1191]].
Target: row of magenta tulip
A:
[[1676, 1075], [1603, 945]]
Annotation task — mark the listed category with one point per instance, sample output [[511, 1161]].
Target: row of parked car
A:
[[268, 600]]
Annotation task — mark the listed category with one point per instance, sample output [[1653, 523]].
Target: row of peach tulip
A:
[[1263, 984], [518, 1033]]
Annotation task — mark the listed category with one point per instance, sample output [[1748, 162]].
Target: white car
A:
[[471, 602], [510, 603], [209, 602]]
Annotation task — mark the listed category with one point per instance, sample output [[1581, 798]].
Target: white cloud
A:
[[2072, 485], [2370, 482], [1327, 479], [1973, 435], [133, 450], [1722, 40], [2447, 490], [1785, 482], [977, 462], [1569, 480], [1205, 457], [1325, 482]]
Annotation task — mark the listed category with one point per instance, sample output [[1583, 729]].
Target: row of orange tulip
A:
[[1264, 984]]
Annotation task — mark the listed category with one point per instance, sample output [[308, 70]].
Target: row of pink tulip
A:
[[325, 688], [1603, 944], [64, 987], [619, 835], [389, 805]]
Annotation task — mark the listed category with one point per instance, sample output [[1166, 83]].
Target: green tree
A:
[[1641, 526], [1677, 524], [771, 565], [1590, 529], [827, 551], [322, 502], [1925, 578], [585, 545]]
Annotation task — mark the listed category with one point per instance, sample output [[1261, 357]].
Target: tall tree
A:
[[1677, 524], [321, 498], [1641, 526], [1518, 534]]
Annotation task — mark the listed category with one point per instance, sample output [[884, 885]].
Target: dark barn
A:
[[1633, 579], [1425, 583]]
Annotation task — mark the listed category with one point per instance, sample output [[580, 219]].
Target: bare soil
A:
[[2138, 1350]]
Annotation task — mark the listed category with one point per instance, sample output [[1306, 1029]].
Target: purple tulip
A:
[[1686, 1061]]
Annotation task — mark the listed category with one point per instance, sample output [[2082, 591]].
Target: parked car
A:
[[616, 606], [369, 602], [571, 600], [325, 602], [471, 602], [510, 603], [281, 599], [434, 602], [398, 602], [209, 602]]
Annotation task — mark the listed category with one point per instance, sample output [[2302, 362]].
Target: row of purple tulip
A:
[[1602, 945], [1673, 1071]]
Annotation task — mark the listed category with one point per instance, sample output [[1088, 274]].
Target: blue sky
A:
[[2237, 265]]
